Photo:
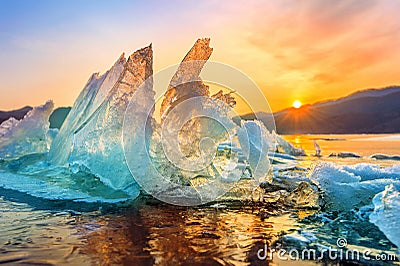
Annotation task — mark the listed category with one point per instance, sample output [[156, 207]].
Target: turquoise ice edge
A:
[[45, 190]]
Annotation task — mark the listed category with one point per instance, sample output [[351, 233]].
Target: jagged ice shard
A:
[[27, 136], [179, 164], [186, 82], [184, 148], [93, 130], [88, 101], [185, 163]]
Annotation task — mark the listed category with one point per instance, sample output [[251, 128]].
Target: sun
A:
[[296, 104]]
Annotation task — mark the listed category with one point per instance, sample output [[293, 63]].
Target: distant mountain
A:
[[56, 118], [367, 111], [17, 114]]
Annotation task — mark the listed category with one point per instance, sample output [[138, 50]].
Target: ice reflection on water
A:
[[144, 234], [168, 235]]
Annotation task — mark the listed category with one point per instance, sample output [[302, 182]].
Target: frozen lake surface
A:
[[38, 231]]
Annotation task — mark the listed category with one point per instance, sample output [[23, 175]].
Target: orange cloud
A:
[[331, 43]]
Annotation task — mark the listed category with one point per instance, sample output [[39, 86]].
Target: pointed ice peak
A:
[[186, 82], [97, 142], [121, 61], [145, 50], [91, 97], [200, 52], [144, 54], [140, 61], [121, 58], [47, 107], [96, 76]]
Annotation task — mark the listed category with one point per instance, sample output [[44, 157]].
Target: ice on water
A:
[[287, 147], [84, 161], [255, 142], [97, 144], [357, 186], [27, 136], [88, 101], [372, 171], [347, 187], [386, 214]]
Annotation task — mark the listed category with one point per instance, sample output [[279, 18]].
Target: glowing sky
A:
[[305, 50]]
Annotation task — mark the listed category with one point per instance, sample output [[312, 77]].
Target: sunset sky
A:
[[305, 50]]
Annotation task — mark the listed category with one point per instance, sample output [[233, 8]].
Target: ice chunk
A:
[[226, 98], [386, 213], [191, 119], [371, 171], [47, 190], [288, 147], [317, 149], [7, 126], [327, 173], [304, 196], [256, 141], [97, 144], [345, 190], [88, 101], [182, 168], [345, 155], [186, 82], [193, 129], [299, 238], [26, 136], [92, 132], [180, 163], [32, 175]]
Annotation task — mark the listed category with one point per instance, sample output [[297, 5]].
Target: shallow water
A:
[[364, 145], [147, 232]]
